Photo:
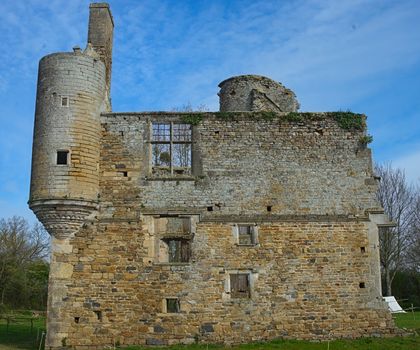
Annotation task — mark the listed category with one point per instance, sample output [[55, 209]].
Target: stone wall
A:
[[304, 185], [73, 127], [306, 280], [241, 166], [100, 36]]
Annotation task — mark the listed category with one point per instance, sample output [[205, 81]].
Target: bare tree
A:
[[398, 199], [19, 246], [413, 254]]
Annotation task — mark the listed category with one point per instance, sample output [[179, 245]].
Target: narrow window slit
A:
[[362, 285], [98, 315]]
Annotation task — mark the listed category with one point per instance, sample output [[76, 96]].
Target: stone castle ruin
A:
[[251, 223]]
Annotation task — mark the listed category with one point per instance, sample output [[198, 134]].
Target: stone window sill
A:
[[174, 178], [173, 263]]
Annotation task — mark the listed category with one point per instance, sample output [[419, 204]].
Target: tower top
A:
[[256, 93], [100, 35]]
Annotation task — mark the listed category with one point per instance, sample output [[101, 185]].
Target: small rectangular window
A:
[[246, 235], [172, 305], [240, 286], [62, 157], [64, 101]]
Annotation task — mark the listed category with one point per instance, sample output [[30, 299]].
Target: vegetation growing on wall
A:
[[226, 115], [349, 120], [346, 120], [193, 118], [365, 139]]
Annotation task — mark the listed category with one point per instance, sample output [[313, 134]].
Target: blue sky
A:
[[362, 55]]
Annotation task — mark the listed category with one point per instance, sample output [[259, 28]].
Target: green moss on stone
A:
[[225, 115], [193, 119]]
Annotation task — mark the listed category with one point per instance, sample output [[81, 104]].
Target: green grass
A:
[[18, 335], [396, 343], [409, 321]]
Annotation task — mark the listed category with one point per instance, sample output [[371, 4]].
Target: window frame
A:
[[172, 142], [177, 306], [253, 234]]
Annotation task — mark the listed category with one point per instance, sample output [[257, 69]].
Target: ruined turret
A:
[[255, 93]]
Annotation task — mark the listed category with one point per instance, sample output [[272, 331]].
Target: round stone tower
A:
[[255, 93], [73, 90], [65, 160]]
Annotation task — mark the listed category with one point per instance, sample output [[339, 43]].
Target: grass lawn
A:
[[19, 336]]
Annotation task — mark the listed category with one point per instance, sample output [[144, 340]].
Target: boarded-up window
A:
[[178, 249], [239, 285], [172, 305], [246, 235]]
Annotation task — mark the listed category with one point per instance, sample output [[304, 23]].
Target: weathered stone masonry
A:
[[252, 223]]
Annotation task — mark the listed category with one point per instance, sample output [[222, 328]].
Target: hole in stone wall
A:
[[269, 207], [217, 132], [121, 133], [362, 249], [362, 285], [98, 315], [123, 173], [76, 319], [209, 208]]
